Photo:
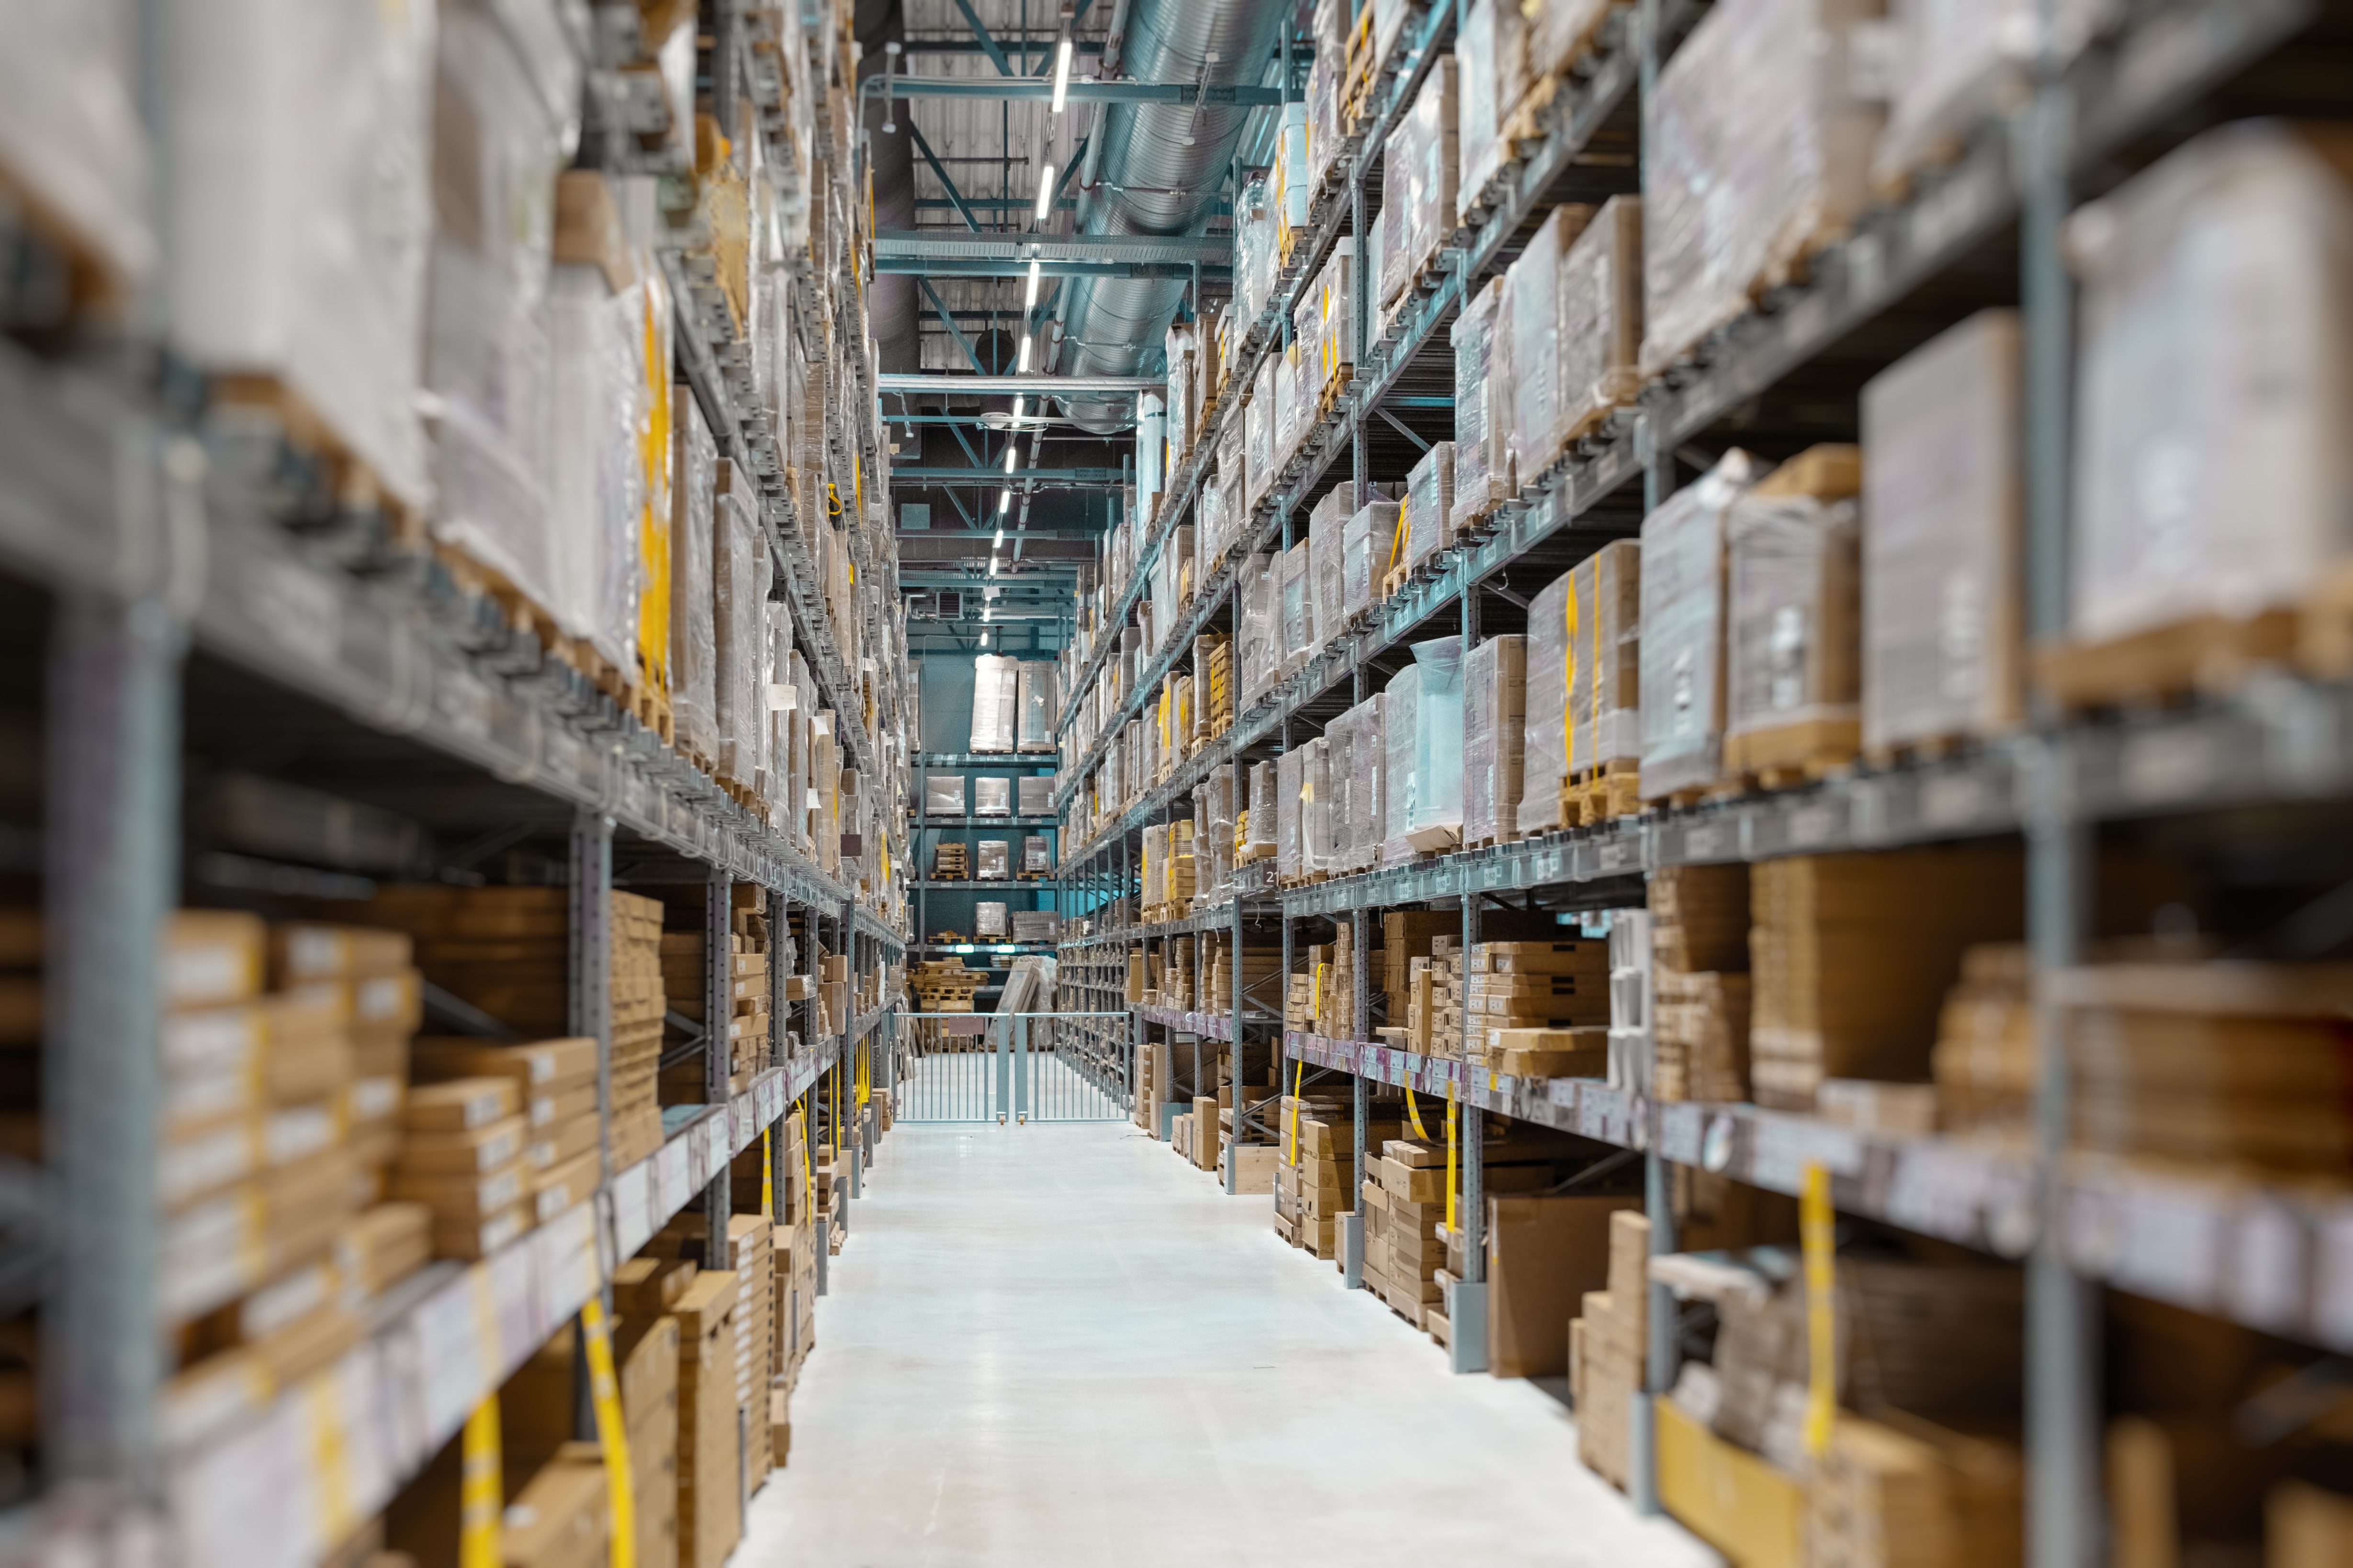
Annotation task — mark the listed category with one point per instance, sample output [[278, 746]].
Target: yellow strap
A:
[[612, 1434], [1569, 689], [1413, 1109], [1818, 1233], [767, 1172], [1451, 1118], [1297, 1069], [1396, 540], [481, 1501]]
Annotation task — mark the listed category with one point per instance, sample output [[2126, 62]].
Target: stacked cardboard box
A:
[[1259, 968], [555, 1095], [1984, 1058], [646, 1347], [1897, 1487], [1315, 1183], [369, 974], [1405, 1205], [1609, 1346], [1545, 1253], [1700, 984], [1852, 955], [640, 994], [710, 1463], [464, 1156], [1537, 999], [750, 1250]]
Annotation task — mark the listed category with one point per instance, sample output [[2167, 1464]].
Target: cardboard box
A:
[[542, 1068], [709, 1478], [1727, 1496], [472, 1151], [562, 1518], [459, 1104], [1543, 1255]]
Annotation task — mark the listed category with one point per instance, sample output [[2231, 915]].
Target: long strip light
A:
[[1031, 302], [1061, 73], [1022, 368], [1045, 189], [1004, 503]]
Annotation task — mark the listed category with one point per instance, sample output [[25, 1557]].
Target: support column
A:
[[718, 1005], [1352, 1224], [1466, 1314], [590, 927]]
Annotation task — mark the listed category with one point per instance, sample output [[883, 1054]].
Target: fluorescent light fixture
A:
[[1004, 503], [1045, 189], [1011, 453], [999, 541], [1022, 366], [1061, 74], [1017, 400], [1031, 302]]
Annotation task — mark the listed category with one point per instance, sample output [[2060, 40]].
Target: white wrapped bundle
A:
[[994, 679], [2216, 390], [1259, 650], [1221, 789], [1375, 539], [1233, 479], [1531, 305], [1329, 24], [1605, 699], [943, 795], [1183, 366], [1318, 853], [740, 582], [1963, 64], [1335, 316], [1492, 57], [1793, 653], [1258, 421], [1562, 32], [595, 482], [1430, 505], [1333, 787], [1435, 168], [1494, 682], [988, 921], [1483, 408], [1255, 834], [1034, 694], [1326, 531], [1760, 147], [1548, 737], [1156, 866], [1601, 317], [1298, 610], [992, 797], [1288, 780], [783, 698], [1400, 707], [995, 860], [1682, 631], [1034, 796], [693, 635], [1295, 399], [1434, 792], [1368, 782], [71, 144]]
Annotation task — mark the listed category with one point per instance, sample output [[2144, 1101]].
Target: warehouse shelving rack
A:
[[1013, 764], [166, 594], [2266, 1257]]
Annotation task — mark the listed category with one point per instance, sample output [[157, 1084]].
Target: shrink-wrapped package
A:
[[994, 859], [994, 681], [1256, 831], [1494, 704], [1155, 879], [1759, 145], [1259, 633], [596, 479], [1793, 649], [992, 797], [1316, 850], [783, 697], [1324, 72], [1538, 421], [943, 795], [1369, 772], [1492, 55], [1214, 530], [740, 579], [1682, 631], [1233, 481], [1425, 161], [1400, 710], [1601, 317], [1376, 536], [1037, 854], [1221, 788], [1034, 698], [1183, 366], [1327, 567], [988, 920], [1428, 506], [693, 637], [71, 145], [300, 152], [1295, 399], [1335, 318], [1034, 796], [1334, 785], [1298, 630], [1287, 783], [1434, 792], [1962, 64], [1605, 720], [1483, 408], [1562, 32], [2213, 469], [1258, 419]]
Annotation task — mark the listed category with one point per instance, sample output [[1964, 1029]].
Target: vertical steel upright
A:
[[590, 927], [2064, 1508], [846, 1063], [1466, 1314], [718, 1005], [111, 877], [1351, 1223]]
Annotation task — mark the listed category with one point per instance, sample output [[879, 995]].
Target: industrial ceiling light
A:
[[1045, 189], [1031, 302], [1004, 503], [999, 541], [1023, 367], [1061, 72], [1011, 452]]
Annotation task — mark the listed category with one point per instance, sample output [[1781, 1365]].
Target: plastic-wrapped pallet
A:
[[1793, 653], [1760, 147], [1034, 694], [1482, 407], [300, 155], [1538, 423], [1035, 796], [1333, 786], [1330, 34], [1400, 709], [693, 637], [1259, 420], [1036, 926], [1233, 482], [994, 678], [1368, 795], [1605, 720], [1182, 368], [1256, 832], [1155, 879], [943, 795], [1220, 800], [1601, 317], [70, 140], [1427, 150], [1328, 563], [1428, 506], [994, 857], [1682, 631], [1434, 791], [2212, 464], [740, 580], [1562, 32], [1492, 57], [1372, 540], [1037, 854], [1494, 705], [1259, 632], [596, 478], [988, 921], [1318, 852], [1298, 609], [1336, 310], [1287, 780], [1294, 400], [1254, 253], [1960, 64], [992, 797]]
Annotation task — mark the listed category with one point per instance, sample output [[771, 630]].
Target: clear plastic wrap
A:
[[1375, 539], [596, 480], [1221, 789], [1254, 247], [1182, 367], [1036, 926], [1034, 694], [988, 920], [1436, 167], [1233, 481], [2216, 385], [1288, 864], [1482, 424], [1492, 55], [994, 859], [1434, 798], [1318, 852], [1368, 795], [1605, 698], [1035, 796], [1430, 505], [1531, 304], [994, 680], [783, 698], [1323, 73], [740, 579], [1960, 64], [943, 795], [1333, 787], [1562, 32], [1401, 712], [1326, 556], [1256, 832], [1298, 609], [992, 797], [1258, 421], [1259, 650], [693, 635], [1760, 147], [1294, 401], [1601, 317], [1154, 881], [1495, 702], [298, 154], [70, 139], [1793, 655], [1682, 631]]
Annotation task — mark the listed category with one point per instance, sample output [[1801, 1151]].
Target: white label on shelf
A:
[[299, 609], [1786, 1145], [2172, 1239], [718, 1146], [514, 1291], [2332, 1283], [633, 1224], [235, 1504], [568, 1272], [1682, 1128], [1938, 1190], [2264, 1284], [453, 1360], [2165, 765], [673, 1180], [1812, 824], [1952, 800], [1703, 841]]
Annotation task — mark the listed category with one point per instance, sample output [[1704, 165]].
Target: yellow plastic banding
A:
[[1451, 1118], [482, 1503], [1568, 689], [1413, 1109], [612, 1434], [1298, 1069], [767, 1172], [1816, 1231]]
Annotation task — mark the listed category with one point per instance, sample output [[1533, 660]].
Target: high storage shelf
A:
[[2271, 1256]]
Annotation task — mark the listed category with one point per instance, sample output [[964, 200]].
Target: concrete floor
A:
[[1059, 1344]]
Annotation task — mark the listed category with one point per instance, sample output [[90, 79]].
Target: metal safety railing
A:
[[1016, 1067]]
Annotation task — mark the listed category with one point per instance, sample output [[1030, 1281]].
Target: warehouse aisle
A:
[[1056, 1344]]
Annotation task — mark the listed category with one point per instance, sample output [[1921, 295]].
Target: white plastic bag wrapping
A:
[[1294, 401], [1760, 147], [1326, 556], [993, 693], [1531, 304], [739, 579], [1601, 317], [1434, 798], [300, 156], [1035, 796], [1330, 27], [596, 483], [992, 797], [1495, 705], [1287, 782], [1368, 795], [1259, 633], [1180, 366], [1549, 732], [994, 859], [1425, 155], [1317, 850], [1253, 236], [1258, 421], [1428, 505], [1793, 651], [1401, 709], [501, 135], [1375, 539], [1035, 694], [1233, 481], [1256, 833], [1220, 799], [1483, 402], [943, 795], [1960, 64], [1682, 630], [1333, 787], [2216, 389], [1298, 609], [988, 920], [693, 635], [71, 138], [1492, 57]]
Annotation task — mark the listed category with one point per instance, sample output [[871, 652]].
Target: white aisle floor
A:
[[1059, 1344]]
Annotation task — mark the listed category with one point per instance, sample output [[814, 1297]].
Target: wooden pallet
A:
[[1334, 388], [334, 479], [1591, 796], [1788, 756], [2204, 655]]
